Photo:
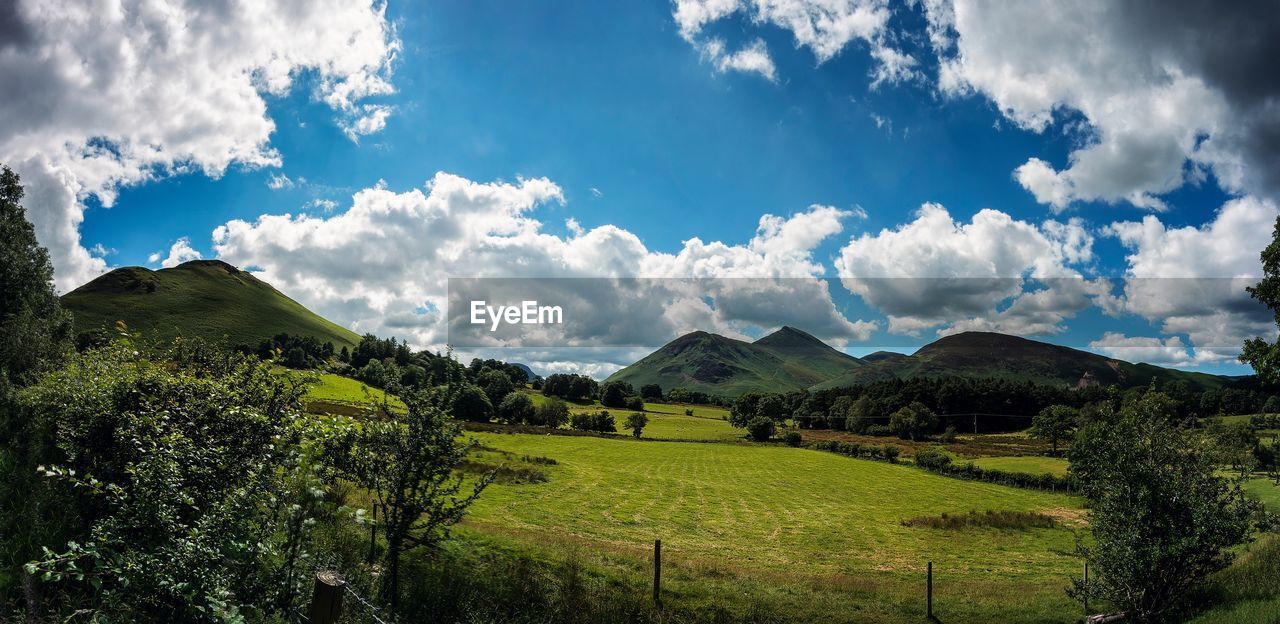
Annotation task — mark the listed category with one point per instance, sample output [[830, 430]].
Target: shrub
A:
[[552, 413], [879, 430], [601, 421], [516, 408], [635, 423], [948, 436], [761, 428], [634, 403], [688, 412], [471, 403], [933, 458], [792, 438], [891, 452]]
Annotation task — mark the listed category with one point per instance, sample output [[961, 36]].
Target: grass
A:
[[335, 391], [667, 421], [1265, 490], [1015, 520], [205, 298], [1027, 464], [1249, 591], [795, 517]]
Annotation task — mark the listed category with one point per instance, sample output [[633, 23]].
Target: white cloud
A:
[[181, 251], [103, 95], [1168, 89], [935, 271], [277, 181], [1169, 351], [752, 59], [1191, 280], [823, 26], [376, 265]]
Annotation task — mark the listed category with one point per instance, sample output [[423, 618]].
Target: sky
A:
[[1052, 170]]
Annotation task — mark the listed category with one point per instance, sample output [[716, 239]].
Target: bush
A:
[[471, 403], [948, 436], [552, 413], [933, 458], [792, 438], [891, 452], [615, 393], [634, 403], [516, 409], [601, 422], [688, 412], [879, 430], [635, 423], [761, 428]]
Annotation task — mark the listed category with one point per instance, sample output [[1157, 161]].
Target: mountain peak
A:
[[790, 337]]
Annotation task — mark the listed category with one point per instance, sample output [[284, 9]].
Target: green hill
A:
[[203, 298], [787, 359], [985, 354]]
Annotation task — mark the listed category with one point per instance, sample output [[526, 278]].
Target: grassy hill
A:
[[986, 354], [787, 359], [203, 298]]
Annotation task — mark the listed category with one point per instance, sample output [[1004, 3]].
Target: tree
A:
[[1262, 355], [516, 409], [552, 413], [35, 332], [471, 403], [635, 423], [651, 392], [496, 384], [1054, 423], [1272, 405], [761, 428], [409, 465], [634, 403], [859, 418], [615, 393], [916, 419], [1161, 518]]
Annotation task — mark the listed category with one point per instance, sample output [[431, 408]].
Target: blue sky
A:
[[626, 109]]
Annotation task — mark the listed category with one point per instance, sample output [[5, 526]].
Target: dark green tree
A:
[[635, 423], [1055, 423], [470, 403], [1161, 518], [1260, 353], [35, 332], [516, 409], [912, 421], [761, 428]]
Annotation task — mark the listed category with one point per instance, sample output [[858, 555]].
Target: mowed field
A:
[[1029, 464], [793, 516], [667, 421]]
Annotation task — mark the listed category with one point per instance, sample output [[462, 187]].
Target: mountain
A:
[[788, 359], [202, 298], [986, 354]]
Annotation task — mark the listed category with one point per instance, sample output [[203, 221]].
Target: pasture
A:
[[796, 517], [1029, 464]]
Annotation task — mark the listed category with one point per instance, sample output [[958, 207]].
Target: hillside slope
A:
[[787, 359], [986, 354], [202, 298]]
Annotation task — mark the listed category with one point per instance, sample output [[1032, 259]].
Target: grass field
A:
[[1027, 464], [1265, 490], [331, 388], [667, 421], [792, 515]]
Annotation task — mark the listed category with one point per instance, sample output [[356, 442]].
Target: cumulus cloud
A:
[[1169, 90], [277, 181], [103, 95], [825, 27], [1169, 351], [935, 271], [383, 265], [181, 251], [1191, 280]]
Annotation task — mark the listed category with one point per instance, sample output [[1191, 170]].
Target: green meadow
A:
[[1030, 464]]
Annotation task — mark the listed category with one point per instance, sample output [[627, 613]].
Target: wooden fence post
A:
[[657, 572], [929, 591], [373, 532], [1086, 588], [326, 598]]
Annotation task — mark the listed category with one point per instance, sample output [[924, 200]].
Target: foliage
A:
[[913, 420], [652, 392], [471, 403], [496, 385], [517, 408], [601, 421], [570, 387], [551, 413], [1161, 519], [183, 487], [933, 458], [793, 438], [35, 332], [635, 423], [761, 428], [615, 393], [1262, 355], [408, 465], [1055, 423]]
